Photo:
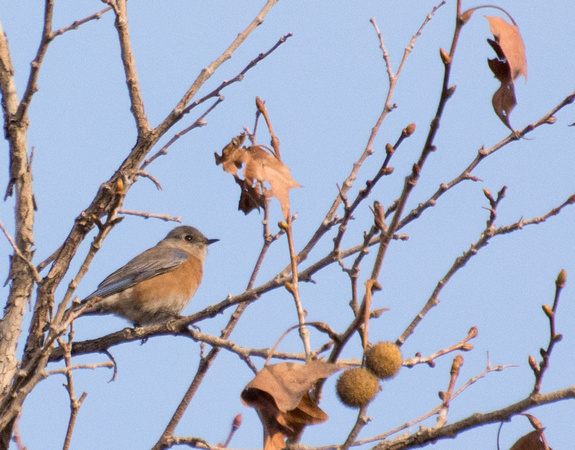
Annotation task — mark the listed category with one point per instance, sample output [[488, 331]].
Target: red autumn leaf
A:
[[280, 395], [264, 175]]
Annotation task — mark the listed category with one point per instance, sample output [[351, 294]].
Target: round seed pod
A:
[[357, 387], [384, 359]]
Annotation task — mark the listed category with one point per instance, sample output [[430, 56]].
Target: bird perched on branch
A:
[[157, 284]]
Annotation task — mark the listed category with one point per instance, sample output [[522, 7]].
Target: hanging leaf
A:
[[280, 395], [509, 40], [510, 64], [531, 441], [264, 175]]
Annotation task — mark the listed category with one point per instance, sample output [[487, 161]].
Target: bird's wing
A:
[[149, 264]]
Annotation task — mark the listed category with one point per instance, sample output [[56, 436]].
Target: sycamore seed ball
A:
[[357, 387], [384, 359]]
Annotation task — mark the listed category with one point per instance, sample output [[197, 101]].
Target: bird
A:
[[156, 285]]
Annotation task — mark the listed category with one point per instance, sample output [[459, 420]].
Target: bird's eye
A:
[[188, 238]]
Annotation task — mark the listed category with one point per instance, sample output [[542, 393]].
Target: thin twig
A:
[[330, 218], [77, 23], [182, 107], [554, 337], [147, 215], [129, 63], [480, 156], [75, 403], [200, 122], [462, 345], [31, 266], [487, 234], [434, 411]]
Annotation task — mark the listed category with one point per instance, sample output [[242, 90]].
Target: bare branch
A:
[[137, 103], [77, 23], [487, 234], [147, 215], [207, 72], [31, 266]]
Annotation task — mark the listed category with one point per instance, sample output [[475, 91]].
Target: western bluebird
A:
[[157, 284]]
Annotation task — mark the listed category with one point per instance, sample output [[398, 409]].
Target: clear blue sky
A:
[[324, 90]]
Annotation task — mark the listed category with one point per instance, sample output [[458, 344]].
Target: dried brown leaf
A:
[[280, 395], [510, 41], [511, 63], [531, 441], [503, 102], [264, 175], [262, 167], [288, 382], [535, 422]]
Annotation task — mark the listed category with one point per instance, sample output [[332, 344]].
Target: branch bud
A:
[[283, 226], [548, 311], [457, 363], [551, 120], [464, 17], [561, 279], [408, 130], [389, 149], [444, 56], [473, 332], [289, 287], [450, 91], [533, 365], [237, 422]]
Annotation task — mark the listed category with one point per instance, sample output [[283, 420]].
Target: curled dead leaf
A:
[[264, 175], [280, 395], [510, 64], [531, 441], [509, 40]]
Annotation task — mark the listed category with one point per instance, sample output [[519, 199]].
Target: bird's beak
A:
[[211, 241]]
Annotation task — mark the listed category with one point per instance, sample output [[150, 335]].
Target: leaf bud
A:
[[444, 56], [408, 130], [533, 364], [260, 104], [464, 17], [551, 120], [561, 279], [283, 226], [548, 311], [289, 287], [450, 91], [389, 149], [456, 365]]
